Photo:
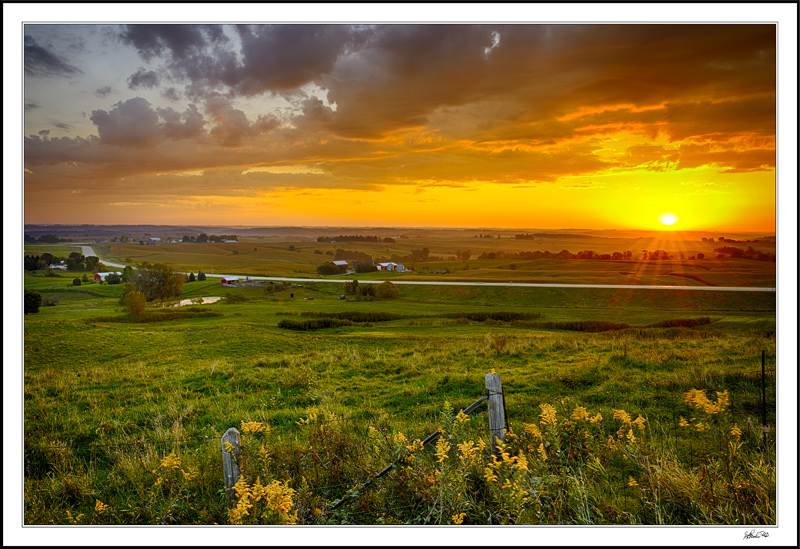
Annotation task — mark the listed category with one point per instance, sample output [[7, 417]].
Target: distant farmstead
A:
[[340, 264], [230, 280], [101, 277], [390, 266]]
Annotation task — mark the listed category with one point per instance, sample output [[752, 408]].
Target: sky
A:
[[607, 126]]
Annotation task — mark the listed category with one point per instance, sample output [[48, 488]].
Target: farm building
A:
[[340, 264], [230, 280], [101, 277], [390, 266]]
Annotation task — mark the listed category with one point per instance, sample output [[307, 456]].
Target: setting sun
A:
[[668, 219]]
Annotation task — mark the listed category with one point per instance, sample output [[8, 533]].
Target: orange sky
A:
[[550, 126]]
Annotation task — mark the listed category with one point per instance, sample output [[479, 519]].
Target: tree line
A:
[[203, 237], [75, 262], [355, 238]]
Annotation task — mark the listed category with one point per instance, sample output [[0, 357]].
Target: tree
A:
[[387, 290], [113, 278], [33, 300], [76, 281], [92, 263], [328, 269], [202, 237], [351, 288], [191, 277], [134, 302], [157, 281], [701, 255], [201, 276]]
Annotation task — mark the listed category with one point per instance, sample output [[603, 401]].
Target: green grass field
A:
[[105, 402]]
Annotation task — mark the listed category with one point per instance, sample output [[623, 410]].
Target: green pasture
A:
[[92, 381]]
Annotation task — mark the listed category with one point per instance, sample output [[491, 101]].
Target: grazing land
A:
[[124, 413]]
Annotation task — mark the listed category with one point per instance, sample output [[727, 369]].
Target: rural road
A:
[[87, 251]]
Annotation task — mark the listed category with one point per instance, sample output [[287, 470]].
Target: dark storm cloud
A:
[[131, 123], [231, 124], [171, 94], [142, 79], [182, 126], [40, 61], [285, 57], [134, 123], [102, 92], [176, 41]]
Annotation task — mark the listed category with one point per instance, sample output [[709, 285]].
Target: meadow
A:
[[123, 416]]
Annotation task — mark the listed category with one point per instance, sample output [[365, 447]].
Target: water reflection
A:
[[195, 301]]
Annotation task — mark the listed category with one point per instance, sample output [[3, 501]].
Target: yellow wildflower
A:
[[639, 422], [461, 418], [631, 436], [533, 429], [467, 450], [736, 431], [700, 427], [683, 422], [597, 418], [171, 462], [622, 415], [414, 446], [442, 447], [100, 507], [632, 481], [580, 413], [541, 451], [489, 475], [548, 414], [459, 518], [253, 427]]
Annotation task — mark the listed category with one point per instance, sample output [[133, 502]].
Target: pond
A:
[[194, 301]]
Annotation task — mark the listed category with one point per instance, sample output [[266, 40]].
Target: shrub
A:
[[33, 300], [134, 302], [316, 324], [49, 300], [387, 290], [358, 316], [76, 281], [501, 316]]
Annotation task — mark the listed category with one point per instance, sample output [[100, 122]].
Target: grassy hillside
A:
[[106, 402]]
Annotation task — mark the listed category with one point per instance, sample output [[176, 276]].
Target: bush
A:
[[387, 290], [33, 300], [316, 324], [134, 302], [328, 269], [359, 316], [500, 316], [49, 300], [76, 281]]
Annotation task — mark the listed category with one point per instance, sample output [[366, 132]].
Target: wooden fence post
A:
[[497, 414], [230, 457]]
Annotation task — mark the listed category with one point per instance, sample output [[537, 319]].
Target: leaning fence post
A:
[[497, 414], [231, 450]]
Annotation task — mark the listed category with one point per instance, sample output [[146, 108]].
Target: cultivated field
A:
[[124, 414]]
